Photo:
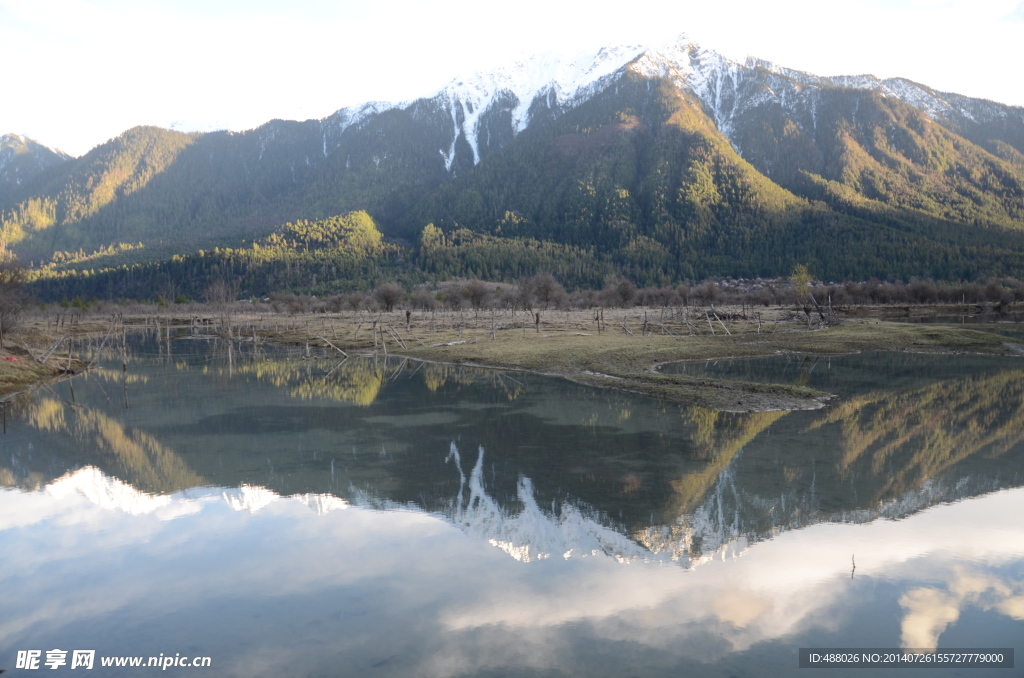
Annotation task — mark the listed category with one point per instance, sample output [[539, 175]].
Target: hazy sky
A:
[[78, 72]]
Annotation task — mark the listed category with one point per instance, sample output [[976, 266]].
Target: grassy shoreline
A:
[[626, 362], [618, 349], [20, 372]]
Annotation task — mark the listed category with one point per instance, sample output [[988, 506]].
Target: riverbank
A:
[[625, 353], [20, 370], [618, 349]]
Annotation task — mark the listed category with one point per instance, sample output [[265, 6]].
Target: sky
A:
[[79, 72]]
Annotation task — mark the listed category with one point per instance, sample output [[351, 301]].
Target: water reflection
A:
[[270, 499], [358, 381], [930, 610], [681, 481], [307, 585], [134, 454], [532, 533], [935, 426]]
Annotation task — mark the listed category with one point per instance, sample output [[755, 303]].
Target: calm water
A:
[[387, 518]]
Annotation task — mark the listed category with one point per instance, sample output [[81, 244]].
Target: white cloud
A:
[[930, 610], [425, 583]]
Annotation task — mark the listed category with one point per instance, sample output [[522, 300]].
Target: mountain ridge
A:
[[875, 158], [21, 160]]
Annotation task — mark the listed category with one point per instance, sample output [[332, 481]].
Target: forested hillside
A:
[[652, 175], [21, 160]]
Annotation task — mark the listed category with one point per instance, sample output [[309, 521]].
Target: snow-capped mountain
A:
[[490, 104], [668, 163], [485, 108]]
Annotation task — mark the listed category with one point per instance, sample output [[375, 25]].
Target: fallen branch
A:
[[721, 323], [818, 308], [333, 346], [45, 356], [417, 339], [394, 333], [102, 345]]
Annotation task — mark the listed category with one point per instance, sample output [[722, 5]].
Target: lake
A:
[[381, 517]]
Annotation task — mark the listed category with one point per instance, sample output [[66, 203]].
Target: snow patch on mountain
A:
[[341, 120], [790, 88], [564, 82], [253, 498], [730, 521], [559, 81], [11, 145]]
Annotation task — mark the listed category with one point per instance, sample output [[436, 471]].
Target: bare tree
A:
[[625, 294], [476, 291], [652, 297], [388, 295], [683, 292], [221, 291], [707, 293], [525, 294], [546, 289], [505, 297], [422, 299]]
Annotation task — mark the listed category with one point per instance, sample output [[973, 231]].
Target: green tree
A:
[[800, 278]]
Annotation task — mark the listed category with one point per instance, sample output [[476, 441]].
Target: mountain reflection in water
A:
[[418, 471], [314, 580]]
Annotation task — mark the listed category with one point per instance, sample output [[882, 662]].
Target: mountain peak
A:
[[558, 81], [21, 159], [16, 144], [623, 149]]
